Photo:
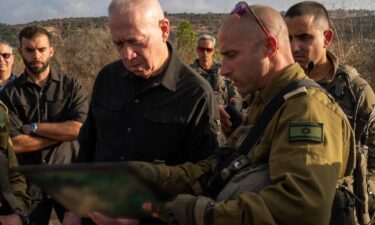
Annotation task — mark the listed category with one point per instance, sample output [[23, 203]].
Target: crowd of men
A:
[[302, 153]]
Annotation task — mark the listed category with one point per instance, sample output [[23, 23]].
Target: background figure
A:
[[289, 175], [310, 35], [46, 111], [14, 202], [6, 63], [148, 105], [208, 68]]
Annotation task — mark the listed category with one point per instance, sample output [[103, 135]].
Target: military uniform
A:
[[223, 88], [304, 150], [357, 99], [13, 186]]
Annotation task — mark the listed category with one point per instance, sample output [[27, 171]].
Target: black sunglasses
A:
[[6, 55], [241, 8]]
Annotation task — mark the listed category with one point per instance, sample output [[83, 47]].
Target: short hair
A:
[[206, 37], [3, 42], [31, 31], [309, 8]]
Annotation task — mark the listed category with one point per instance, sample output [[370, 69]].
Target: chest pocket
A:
[[57, 107]]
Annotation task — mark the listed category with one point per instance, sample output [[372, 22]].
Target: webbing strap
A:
[[276, 102]]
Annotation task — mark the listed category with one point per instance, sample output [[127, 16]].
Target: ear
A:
[[328, 37], [164, 26], [52, 51], [272, 46]]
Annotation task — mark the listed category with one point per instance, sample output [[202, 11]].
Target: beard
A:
[[36, 70]]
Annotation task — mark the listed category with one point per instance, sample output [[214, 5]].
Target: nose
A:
[[128, 53], [294, 44], [225, 70]]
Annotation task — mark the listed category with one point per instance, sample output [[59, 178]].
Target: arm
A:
[[26, 143], [63, 131]]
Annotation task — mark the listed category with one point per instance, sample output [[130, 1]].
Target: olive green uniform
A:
[[13, 187], [223, 88], [357, 101], [306, 145]]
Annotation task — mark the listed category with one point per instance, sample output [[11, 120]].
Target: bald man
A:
[[6, 64], [148, 105], [289, 176]]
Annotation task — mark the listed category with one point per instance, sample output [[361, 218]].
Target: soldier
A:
[[208, 68], [310, 36], [289, 175], [6, 64], [14, 202]]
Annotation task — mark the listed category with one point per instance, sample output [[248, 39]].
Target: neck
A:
[[4, 76], [165, 56], [322, 70], [40, 78], [206, 64]]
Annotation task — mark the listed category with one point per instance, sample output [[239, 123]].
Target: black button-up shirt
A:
[[62, 98], [171, 117]]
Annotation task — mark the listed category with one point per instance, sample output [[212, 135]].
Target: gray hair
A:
[[206, 37], [2, 42]]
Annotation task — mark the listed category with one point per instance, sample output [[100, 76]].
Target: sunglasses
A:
[[241, 8], [202, 49], [6, 55]]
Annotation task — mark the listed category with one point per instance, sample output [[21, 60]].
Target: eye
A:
[[118, 44]]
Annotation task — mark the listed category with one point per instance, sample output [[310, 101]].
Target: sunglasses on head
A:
[[241, 8], [6, 55], [202, 49]]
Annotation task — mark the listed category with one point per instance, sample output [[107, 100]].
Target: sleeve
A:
[[79, 103], [303, 173], [203, 129], [87, 139], [15, 123]]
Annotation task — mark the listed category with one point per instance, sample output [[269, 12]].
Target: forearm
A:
[[26, 143], [64, 131]]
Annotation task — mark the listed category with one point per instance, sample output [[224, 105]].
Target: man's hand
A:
[[101, 219], [183, 210], [12, 219], [226, 124], [71, 218]]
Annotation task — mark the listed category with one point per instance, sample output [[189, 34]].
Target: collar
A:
[[215, 65], [293, 72], [25, 78], [332, 58]]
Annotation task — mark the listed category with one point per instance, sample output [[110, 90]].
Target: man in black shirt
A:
[[149, 105], [46, 111]]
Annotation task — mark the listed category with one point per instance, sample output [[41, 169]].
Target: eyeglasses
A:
[[241, 8], [6, 55], [202, 49]]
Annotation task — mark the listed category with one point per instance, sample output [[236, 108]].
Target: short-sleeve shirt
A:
[[62, 98]]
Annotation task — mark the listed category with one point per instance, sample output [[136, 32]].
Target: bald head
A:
[[148, 11]]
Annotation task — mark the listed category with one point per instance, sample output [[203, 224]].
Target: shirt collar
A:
[[25, 78], [292, 73]]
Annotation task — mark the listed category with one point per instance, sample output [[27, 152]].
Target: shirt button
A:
[[136, 101], [129, 129], [122, 158]]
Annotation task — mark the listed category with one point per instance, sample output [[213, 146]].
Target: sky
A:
[[24, 11]]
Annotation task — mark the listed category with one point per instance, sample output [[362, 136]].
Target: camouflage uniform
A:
[[306, 147], [13, 186], [357, 99], [223, 88]]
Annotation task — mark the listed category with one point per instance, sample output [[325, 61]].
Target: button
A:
[[129, 129], [136, 101]]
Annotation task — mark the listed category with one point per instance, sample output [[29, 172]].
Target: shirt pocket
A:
[[57, 108]]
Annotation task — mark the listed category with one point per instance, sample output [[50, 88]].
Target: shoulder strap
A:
[[276, 102]]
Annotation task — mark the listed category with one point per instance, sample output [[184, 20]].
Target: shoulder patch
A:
[[305, 132]]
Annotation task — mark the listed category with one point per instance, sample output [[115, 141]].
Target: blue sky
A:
[[24, 11]]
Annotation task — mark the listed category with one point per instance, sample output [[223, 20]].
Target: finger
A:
[[100, 219]]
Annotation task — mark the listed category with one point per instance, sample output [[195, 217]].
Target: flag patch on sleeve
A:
[[305, 132]]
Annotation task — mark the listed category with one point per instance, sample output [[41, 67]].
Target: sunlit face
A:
[[36, 53], [6, 59], [242, 58], [138, 43], [205, 50], [306, 39]]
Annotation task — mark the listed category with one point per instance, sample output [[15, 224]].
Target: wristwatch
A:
[[32, 128]]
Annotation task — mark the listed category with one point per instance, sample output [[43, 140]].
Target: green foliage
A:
[[186, 39]]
